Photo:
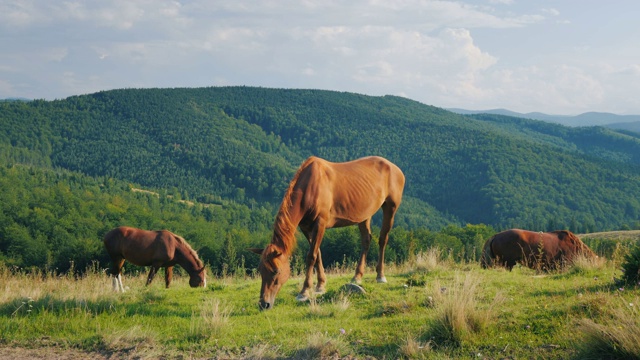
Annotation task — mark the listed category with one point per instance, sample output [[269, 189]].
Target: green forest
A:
[[212, 164]]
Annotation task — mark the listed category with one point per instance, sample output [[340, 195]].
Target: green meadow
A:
[[431, 308]]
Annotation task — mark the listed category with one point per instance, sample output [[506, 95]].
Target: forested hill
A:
[[244, 144]]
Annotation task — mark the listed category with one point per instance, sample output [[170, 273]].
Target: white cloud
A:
[[446, 53]]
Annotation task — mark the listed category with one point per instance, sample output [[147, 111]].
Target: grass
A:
[[431, 308]]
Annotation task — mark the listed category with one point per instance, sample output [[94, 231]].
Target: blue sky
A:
[[558, 57]]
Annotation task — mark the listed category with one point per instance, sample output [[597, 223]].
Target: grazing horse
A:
[[537, 250], [325, 195], [152, 248]]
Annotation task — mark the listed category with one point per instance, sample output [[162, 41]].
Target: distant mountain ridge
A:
[[614, 121]]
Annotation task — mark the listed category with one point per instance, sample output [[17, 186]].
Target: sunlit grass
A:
[[451, 310]]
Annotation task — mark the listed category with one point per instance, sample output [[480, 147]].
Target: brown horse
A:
[[152, 248], [325, 195], [537, 250]]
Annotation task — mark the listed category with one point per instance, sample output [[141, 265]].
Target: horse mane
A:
[[283, 228], [189, 249]]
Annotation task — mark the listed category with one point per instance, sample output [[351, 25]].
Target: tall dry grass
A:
[[411, 348], [37, 284], [614, 335], [212, 318], [323, 346], [459, 314]]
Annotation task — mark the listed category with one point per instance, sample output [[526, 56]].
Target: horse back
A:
[[140, 247], [349, 192]]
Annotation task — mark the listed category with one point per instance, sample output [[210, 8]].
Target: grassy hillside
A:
[[243, 144], [431, 308]]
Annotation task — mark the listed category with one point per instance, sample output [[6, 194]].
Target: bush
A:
[[631, 266]]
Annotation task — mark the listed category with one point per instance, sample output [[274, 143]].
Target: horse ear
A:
[[256, 250]]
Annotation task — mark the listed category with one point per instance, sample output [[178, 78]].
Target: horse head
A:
[[275, 270], [198, 278]]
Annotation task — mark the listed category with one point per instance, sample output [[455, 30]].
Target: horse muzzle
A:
[[265, 305]]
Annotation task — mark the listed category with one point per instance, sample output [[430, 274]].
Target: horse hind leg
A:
[[168, 274], [388, 213], [365, 240]]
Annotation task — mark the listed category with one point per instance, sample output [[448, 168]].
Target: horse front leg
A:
[[322, 278], [365, 240], [152, 273], [116, 274], [312, 257], [168, 275]]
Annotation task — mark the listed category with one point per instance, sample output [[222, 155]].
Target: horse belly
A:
[[147, 256]]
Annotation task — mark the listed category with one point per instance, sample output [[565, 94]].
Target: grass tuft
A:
[[581, 264], [212, 319], [614, 336], [458, 314], [322, 346], [411, 348]]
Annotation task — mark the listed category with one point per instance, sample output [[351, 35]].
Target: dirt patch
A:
[[14, 353]]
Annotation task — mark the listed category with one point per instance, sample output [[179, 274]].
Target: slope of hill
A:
[[244, 143]]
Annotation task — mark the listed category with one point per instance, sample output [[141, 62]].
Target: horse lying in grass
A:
[[537, 250], [152, 248], [325, 195]]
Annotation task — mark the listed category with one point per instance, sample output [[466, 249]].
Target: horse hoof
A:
[[302, 297], [321, 290], [382, 280], [356, 281]]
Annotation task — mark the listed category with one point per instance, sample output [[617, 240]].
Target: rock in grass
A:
[[352, 288]]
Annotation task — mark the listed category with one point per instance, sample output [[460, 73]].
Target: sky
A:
[[557, 57]]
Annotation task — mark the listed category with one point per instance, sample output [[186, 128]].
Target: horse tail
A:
[[486, 260]]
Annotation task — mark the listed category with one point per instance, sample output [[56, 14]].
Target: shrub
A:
[[631, 266]]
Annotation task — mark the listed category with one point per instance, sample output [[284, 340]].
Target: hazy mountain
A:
[[629, 126], [585, 119]]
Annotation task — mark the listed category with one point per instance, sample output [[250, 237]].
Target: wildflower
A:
[[342, 331], [621, 289]]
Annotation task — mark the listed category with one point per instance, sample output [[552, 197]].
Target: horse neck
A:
[[186, 258]]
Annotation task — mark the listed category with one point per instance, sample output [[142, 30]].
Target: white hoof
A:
[[356, 281], [320, 291], [382, 280], [302, 297]]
